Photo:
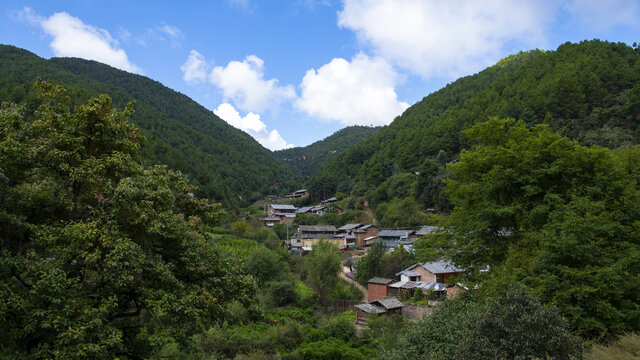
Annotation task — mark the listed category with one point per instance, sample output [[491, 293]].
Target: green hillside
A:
[[308, 159], [225, 163], [589, 92]]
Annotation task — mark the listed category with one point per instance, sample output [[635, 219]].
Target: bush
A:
[[283, 292]]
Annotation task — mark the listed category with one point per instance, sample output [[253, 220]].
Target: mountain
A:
[[225, 163], [308, 159], [588, 91]]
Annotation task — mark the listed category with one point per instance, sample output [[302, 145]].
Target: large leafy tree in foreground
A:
[[100, 257], [561, 218]]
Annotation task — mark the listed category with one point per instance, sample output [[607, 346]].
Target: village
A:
[[428, 281]]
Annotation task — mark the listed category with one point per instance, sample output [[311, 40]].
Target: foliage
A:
[[588, 92], [514, 325], [101, 258], [266, 265], [307, 160], [517, 326], [225, 163], [370, 265], [323, 266], [380, 262], [561, 218]]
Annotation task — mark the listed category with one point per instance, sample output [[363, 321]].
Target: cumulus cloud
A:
[[252, 125], [244, 83], [356, 92], [445, 38], [195, 69], [72, 37], [603, 15]]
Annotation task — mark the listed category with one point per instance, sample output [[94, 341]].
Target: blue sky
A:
[[293, 72]]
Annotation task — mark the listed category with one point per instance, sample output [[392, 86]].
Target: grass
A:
[[624, 348]]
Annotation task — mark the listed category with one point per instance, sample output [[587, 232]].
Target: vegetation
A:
[[308, 159], [512, 326], [379, 262], [225, 163], [101, 257], [542, 210], [589, 92]]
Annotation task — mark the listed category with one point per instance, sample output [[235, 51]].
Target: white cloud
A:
[[445, 38], [195, 68], [360, 92], [72, 37], [173, 32], [603, 15], [244, 83], [252, 125]]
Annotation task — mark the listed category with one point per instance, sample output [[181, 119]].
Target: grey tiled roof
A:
[[441, 267], [425, 230], [394, 233], [317, 228], [283, 207], [380, 280], [389, 303], [350, 226], [370, 308], [304, 209]]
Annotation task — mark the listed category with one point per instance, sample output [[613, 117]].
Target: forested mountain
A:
[[589, 92], [308, 159], [225, 163]]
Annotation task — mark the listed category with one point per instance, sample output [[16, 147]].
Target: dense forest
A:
[[309, 159], [588, 92], [226, 164]]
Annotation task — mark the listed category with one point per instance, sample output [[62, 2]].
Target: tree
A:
[[266, 265], [559, 217], [101, 258], [371, 264], [323, 267], [517, 326]]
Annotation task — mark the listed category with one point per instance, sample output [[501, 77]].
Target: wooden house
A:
[[386, 306], [431, 271]]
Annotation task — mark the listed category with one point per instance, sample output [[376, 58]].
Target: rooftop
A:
[[395, 233], [425, 230], [283, 207], [379, 280], [317, 228], [350, 226]]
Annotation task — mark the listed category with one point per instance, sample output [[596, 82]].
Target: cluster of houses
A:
[[356, 236], [286, 213], [432, 276]]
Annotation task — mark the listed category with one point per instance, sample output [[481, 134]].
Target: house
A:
[[357, 233], [298, 194], [328, 201], [315, 231], [406, 289], [386, 306], [431, 271], [425, 230], [318, 210], [377, 288], [306, 210], [286, 213], [270, 220], [394, 238], [369, 241]]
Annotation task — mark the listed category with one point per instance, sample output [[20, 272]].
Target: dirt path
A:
[[344, 276], [369, 212]]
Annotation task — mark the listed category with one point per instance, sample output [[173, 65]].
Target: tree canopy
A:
[[101, 257], [562, 218]]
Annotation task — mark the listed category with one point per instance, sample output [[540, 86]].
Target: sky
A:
[[290, 73]]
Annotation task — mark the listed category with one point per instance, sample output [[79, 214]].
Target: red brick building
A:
[[377, 288]]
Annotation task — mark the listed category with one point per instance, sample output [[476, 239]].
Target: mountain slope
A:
[[588, 91], [308, 159], [227, 164]]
